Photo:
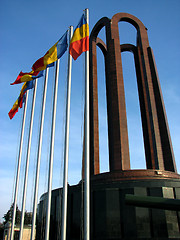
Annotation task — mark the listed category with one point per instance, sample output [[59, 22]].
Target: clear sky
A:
[[28, 30]]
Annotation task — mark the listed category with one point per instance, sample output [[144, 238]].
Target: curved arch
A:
[[154, 158], [128, 48], [158, 149], [152, 110], [103, 22], [102, 46], [126, 17]]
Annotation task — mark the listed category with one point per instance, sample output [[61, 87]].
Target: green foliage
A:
[[27, 218], [8, 216]]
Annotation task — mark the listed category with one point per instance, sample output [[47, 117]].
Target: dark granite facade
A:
[[111, 217]]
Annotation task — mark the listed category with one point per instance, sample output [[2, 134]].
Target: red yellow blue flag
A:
[[80, 40], [26, 77], [52, 55], [19, 102]]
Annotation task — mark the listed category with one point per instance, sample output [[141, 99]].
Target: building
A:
[[26, 232]]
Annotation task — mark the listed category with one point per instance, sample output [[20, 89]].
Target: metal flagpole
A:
[[39, 156], [86, 164], [27, 162], [18, 168], [51, 154], [66, 147]]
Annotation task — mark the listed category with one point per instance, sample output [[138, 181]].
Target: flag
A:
[[54, 53], [19, 102], [80, 40], [14, 109], [26, 77]]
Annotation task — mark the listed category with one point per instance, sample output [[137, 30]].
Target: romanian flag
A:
[[19, 102], [26, 77], [80, 40], [52, 55]]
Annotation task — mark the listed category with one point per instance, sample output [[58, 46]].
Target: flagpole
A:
[[66, 147], [27, 162], [18, 168], [87, 133], [48, 210], [39, 156]]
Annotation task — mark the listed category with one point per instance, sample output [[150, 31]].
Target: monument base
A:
[[111, 217]]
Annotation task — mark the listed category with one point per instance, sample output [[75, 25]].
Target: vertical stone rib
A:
[[94, 122], [118, 134], [145, 117], [151, 111], [147, 129], [168, 154]]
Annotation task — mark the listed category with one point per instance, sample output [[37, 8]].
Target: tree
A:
[[27, 218], [8, 216]]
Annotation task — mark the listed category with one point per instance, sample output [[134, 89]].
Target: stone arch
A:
[[157, 142], [158, 147]]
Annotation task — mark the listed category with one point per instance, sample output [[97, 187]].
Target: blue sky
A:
[[28, 30]]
